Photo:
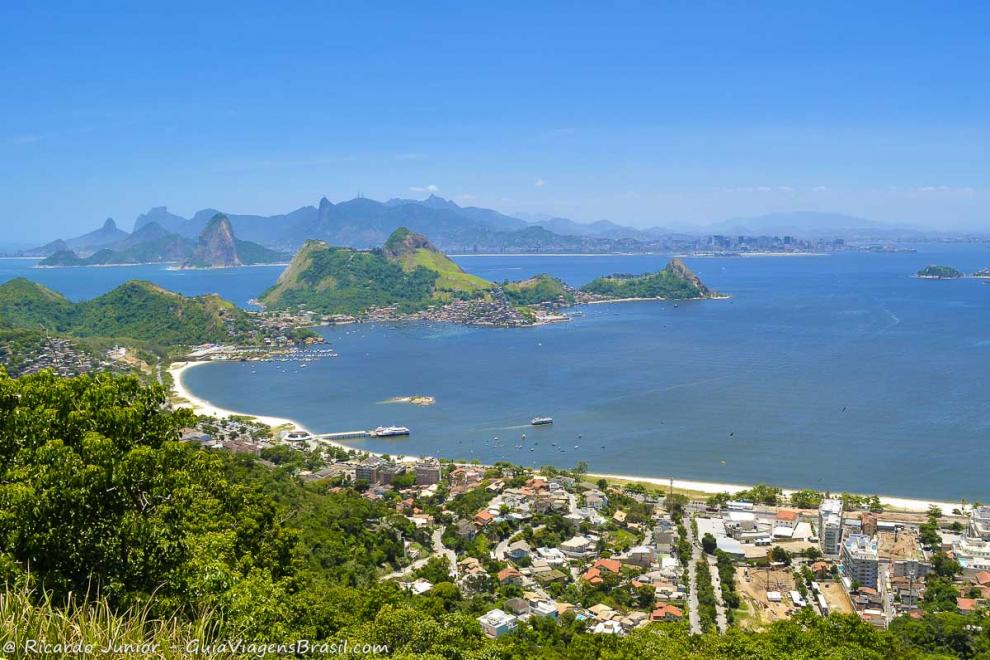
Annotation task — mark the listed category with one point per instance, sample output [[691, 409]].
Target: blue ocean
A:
[[838, 372]]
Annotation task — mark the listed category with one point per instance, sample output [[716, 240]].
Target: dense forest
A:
[[112, 530], [136, 310]]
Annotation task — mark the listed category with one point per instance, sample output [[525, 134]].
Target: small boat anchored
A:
[[389, 431], [541, 421]]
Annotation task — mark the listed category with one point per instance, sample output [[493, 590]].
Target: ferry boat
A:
[[389, 431], [541, 421]]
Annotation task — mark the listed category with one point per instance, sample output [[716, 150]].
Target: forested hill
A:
[[407, 272], [675, 282], [135, 310], [126, 535]]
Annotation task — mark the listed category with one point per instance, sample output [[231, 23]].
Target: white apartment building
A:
[[830, 525], [861, 560]]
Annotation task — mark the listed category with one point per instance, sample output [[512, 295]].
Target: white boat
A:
[[389, 431], [541, 421]]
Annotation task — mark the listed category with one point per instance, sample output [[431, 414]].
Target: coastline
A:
[[204, 407], [207, 409]]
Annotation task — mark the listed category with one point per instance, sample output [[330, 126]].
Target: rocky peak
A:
[[217, 246], [402, 242], [680, 270], [109, 224]]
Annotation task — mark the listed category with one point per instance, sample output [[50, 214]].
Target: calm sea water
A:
[[837, 372]]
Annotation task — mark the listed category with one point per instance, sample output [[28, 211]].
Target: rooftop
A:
[[861, 546], [831, 506]]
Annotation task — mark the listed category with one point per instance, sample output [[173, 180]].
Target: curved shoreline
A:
[[203, 407], [207, 409]]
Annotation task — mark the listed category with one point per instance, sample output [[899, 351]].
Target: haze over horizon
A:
[[674, 116]]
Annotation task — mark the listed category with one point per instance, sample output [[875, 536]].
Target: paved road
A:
[[720, 619], [693, 619], [438, 549]]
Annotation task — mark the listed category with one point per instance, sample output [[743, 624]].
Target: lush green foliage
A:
[[806, 499], [173, 543], [706, 595], [136, 310], [408, 273], [345, 281], [674, 282], [539, 289], [940, 272]]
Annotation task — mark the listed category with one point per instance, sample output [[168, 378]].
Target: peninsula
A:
[[132, 326], [408, 278]]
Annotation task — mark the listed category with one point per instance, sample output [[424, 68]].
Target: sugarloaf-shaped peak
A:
[[404, 242], [109, 224], [217, 246]]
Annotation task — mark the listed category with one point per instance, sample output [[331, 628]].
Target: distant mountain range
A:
[[216, 247], [365, 223]]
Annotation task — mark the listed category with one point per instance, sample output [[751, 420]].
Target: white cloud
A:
[[430, 188], [466, 197], [820, 189], [950, 190], [539, 183]]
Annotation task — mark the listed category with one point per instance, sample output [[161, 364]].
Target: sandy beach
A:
[[900, 503], [203, 407]]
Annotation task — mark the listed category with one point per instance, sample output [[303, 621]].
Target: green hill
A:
[[675, 282], [135, 310], [407, 272], [539, 289], [935, 272], [27, 304]]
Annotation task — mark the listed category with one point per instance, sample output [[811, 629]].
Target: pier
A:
[[344, 435]]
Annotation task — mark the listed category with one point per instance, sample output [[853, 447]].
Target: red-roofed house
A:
[[509, 576], [610, 565], [592, 576], [666, 613], [965, 605], [537, 483], [482, 518], [786, 518], [982, 578]]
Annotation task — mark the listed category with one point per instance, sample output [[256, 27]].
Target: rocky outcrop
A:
[[217, 247]]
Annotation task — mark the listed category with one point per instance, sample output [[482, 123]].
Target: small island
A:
[[416, 400], [935, 272], [982, 274], [675, 282]]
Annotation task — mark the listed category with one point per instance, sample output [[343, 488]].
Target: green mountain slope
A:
[[538, 289], [407, 272], [675, 282], [27, 304], [135, 310]]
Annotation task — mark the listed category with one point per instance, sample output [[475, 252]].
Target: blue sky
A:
[[672, 114]]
